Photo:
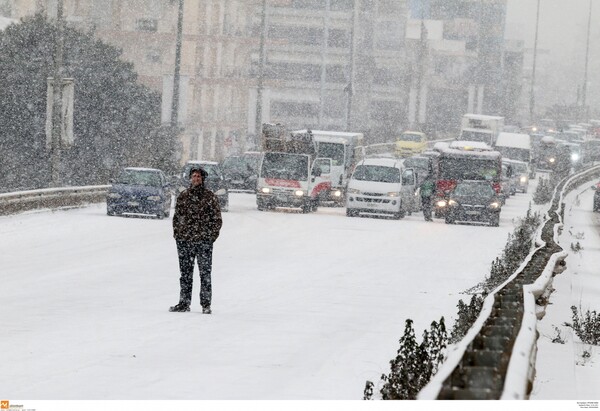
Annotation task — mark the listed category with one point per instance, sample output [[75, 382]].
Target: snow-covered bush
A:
[[415, 363], [586, 326]]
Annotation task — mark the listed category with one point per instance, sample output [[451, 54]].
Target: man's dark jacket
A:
[[197, 216]]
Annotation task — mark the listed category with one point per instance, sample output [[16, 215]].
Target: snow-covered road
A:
[[304, 306]]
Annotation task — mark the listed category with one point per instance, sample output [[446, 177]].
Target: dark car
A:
[[214, 182], [596, 207], [241, 172], [473, 201], [139, 191]]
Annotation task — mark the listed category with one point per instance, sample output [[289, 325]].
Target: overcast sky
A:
[[561, 46]]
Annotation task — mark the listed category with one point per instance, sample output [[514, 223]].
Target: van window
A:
[[335, 151], [408, 178], [380, 174]]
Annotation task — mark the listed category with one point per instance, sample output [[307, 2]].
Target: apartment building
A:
[[334, 64]]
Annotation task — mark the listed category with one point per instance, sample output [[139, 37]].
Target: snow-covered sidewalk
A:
[[569, 369]]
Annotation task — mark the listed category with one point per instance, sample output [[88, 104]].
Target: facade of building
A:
[[470, 67], [334, 64], [215, 56], [372, 66]]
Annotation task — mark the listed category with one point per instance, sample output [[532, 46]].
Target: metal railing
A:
[[496, 358], [50, 198]]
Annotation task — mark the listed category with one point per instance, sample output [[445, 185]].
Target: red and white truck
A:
[[290, 174]]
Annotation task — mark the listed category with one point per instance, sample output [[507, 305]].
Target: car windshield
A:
[[139, 177], [475, 136], [285, 166], [479, 190], [473, 169], [417, 138], [380, 174], [520, 168]]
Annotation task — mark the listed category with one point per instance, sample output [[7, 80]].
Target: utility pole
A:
[[261, 70], [57, 118], [350, 87], [421, 54], [531, 90], [324, 62], [176, 75], [587, 53]]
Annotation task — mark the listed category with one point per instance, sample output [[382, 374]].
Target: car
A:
[[241, 172], [596, 207], [381, 186], [520, 175], [423, 166], [473, 200], [215, 181], [410, 142], [139, 190]]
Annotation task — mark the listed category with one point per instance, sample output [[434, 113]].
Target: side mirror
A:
[[316, 172], [595, 187]]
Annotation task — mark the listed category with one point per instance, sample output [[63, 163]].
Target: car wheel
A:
[[167, 212], [351, 213], [449, 220]]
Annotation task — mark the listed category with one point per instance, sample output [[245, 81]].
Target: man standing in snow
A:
[[196, 226], [427, 188]]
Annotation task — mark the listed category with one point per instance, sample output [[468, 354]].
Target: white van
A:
[[381, 186]]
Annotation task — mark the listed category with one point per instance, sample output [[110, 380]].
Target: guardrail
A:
[[496, 358], [16, 202]]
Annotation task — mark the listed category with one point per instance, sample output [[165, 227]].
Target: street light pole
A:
[[176, 75], [57, 120], [261, 70], [531, 90], [350, 87], [587, 53]]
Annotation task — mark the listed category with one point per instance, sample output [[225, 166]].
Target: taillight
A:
[[497, 187]]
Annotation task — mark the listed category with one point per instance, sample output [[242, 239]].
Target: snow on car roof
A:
[[470, 145], [202, 162], [382, 161], [142, 169]]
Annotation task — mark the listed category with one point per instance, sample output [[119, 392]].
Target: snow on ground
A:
[[306, 307]]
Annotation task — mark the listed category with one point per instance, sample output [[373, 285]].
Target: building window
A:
[[150, 25]]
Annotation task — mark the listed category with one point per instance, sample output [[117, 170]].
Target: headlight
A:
[[441, 203], [353, 191], [220, 192], [523, 179], [574, 157], [551, 160], [337, 193], [153, 198], [114, 195], [495, 204], [298, 193], [452, 203], [265, 190], [393, 194]]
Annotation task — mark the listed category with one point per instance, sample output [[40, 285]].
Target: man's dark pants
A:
[[188, 252]]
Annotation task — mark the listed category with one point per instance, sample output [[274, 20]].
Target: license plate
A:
[[133, 203], [237, 181], [472, 212]]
